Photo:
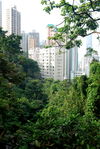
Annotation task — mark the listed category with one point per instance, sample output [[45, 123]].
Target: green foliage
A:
[[46, 114], [10, 46], [17, 113], [93, 100], [79, 19], [10, 71], [90, 52], [95, 68], [15, 118], [30, 67], [65, 122], [33, 90]]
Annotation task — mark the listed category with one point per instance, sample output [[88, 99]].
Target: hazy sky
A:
[[32, 15]]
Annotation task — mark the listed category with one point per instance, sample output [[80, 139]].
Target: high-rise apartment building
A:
[[33, 43], [0, 14], [51, 32], [55, 62], [30, 41], [71, 63], [33, 39], [13, 21], [24, 43], [51, 62], [89, 42]]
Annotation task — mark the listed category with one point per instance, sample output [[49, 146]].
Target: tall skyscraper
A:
[[89, 41], [33, 42], [0, 14], [33, 38], [13, 21], [51, 62], [24, 43], [74, 61], [71, 63]]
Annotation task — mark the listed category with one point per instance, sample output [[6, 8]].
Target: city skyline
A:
[[32, 16]]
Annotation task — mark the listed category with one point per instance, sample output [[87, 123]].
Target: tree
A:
[[80, 18], [33, 90], [69, 119], [17, 113], [10, 71], [93, 99], [30, 67], [10, 46]]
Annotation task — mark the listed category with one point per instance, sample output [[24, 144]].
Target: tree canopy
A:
[[45, 114], [80, 18]]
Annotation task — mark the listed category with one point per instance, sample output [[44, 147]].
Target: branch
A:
[[73, 8], [90, 16], [91, 3], [97, 19], [95, 32], [60, 23], [75, 13], [59, 45]]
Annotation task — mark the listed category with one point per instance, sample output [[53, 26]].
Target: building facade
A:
[[0, 14], [51, 62], [13, 21], [55, 62], [33, 43], [24, 43], [71, 63], [30, 41], [33, 39], [51, 30]]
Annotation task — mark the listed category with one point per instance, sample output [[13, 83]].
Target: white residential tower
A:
[[0, 14], [13, 21]]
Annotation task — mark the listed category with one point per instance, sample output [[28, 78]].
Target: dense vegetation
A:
[[45, 114]]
